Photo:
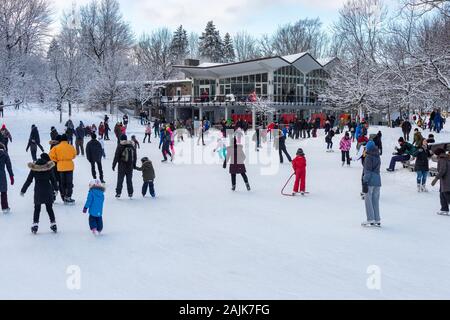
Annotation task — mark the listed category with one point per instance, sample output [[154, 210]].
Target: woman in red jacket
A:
[[299, 165]]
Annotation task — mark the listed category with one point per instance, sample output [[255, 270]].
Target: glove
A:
[[224, 165], [12, 180], [433, 183], [85, 210]]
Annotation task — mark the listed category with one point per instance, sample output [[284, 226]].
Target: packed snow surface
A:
[[200, 240]]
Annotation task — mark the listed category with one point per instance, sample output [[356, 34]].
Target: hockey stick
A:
[[287, 182]]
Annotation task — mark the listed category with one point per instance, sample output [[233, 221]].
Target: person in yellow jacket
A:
[[63, 155]]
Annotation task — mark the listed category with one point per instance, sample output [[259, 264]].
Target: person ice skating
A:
[[148, 175], [166, 140], [118, 131], [63, 155], [422, 166], [257, 138], [281, 139], [34, 142], [402, 154], [53, 133], [329, 140], [156, 127], [417, 138], [6, 136], [299, 166], [443, 176], [107, 130], [406, 129], [372, 179], [221, 148], [5, 163], [125, 158], [2, 106], [438, 121], [378, 142], [45, 189], [345, 145], [94, 204], [135, 142], [125, 120], [94, 154], [236, 158], [79, 139], [101, 130], [431, 139], [148, 133]]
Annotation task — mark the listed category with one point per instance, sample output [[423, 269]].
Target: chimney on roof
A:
[[192, 62]]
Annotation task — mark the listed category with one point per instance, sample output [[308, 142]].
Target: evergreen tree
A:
[[228, 49], [210, 46], [180, 44]]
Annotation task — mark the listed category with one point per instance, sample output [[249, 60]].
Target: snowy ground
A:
[[198, 240]]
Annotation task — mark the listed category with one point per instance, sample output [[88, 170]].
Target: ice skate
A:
[[118, 195], [424, 189], [34, 228], [368, 224], [53, 227], [443, 213], [248, 186], [6, 211], [419, 188], [233, 188], [69, 201]]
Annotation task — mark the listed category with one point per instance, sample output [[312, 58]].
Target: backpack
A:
[[127, 155]]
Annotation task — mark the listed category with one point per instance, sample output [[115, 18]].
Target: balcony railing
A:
[[233, 100]]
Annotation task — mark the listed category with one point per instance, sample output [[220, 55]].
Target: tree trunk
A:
[[70, 109]]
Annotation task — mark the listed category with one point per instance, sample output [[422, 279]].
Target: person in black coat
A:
[[236, 158], [5, 162], [166, 141], [422, 166], [53, 133], [125, 157], [406, 128], [45, 189], [282, 147], [79, 138], [378, 142], [94, 154], [34, 142]]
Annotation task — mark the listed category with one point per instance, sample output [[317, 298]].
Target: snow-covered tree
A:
[[210, 45], [193, 46], [247, 47], [106, 41], [153, 53], [228, 49], [180, 44], [24, 26]]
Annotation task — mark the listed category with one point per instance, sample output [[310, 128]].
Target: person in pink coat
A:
[[345, 145]]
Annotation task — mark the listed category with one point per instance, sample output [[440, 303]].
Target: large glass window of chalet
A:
[[288, 83], [242, 86]]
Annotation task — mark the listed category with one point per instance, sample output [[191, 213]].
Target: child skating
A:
[[148, 175], [299, 166], [94, 203], [329, 140]]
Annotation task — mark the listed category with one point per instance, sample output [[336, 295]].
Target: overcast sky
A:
[[255, 16]]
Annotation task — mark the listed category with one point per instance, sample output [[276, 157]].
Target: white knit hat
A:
[[95, 183]]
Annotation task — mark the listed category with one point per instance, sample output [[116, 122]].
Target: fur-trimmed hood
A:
[[41, 168], [53, 142], [101, 188], [126, 143]]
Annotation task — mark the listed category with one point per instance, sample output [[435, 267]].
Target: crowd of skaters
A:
[[53, 172]]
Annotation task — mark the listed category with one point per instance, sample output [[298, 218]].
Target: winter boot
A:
[[419, 188], [53, 227], [34, 228], [424, 188], [117, 195], [69, 201], [95, 232], [248, 186], [378, 224], [233, 188]]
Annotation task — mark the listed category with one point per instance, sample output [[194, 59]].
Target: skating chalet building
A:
[[286, 84]]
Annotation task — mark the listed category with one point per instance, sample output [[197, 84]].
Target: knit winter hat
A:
[[45, 157], [123, 137], [95, 183], [144, 159], [370, 145], [300, 152], [401, 139]]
